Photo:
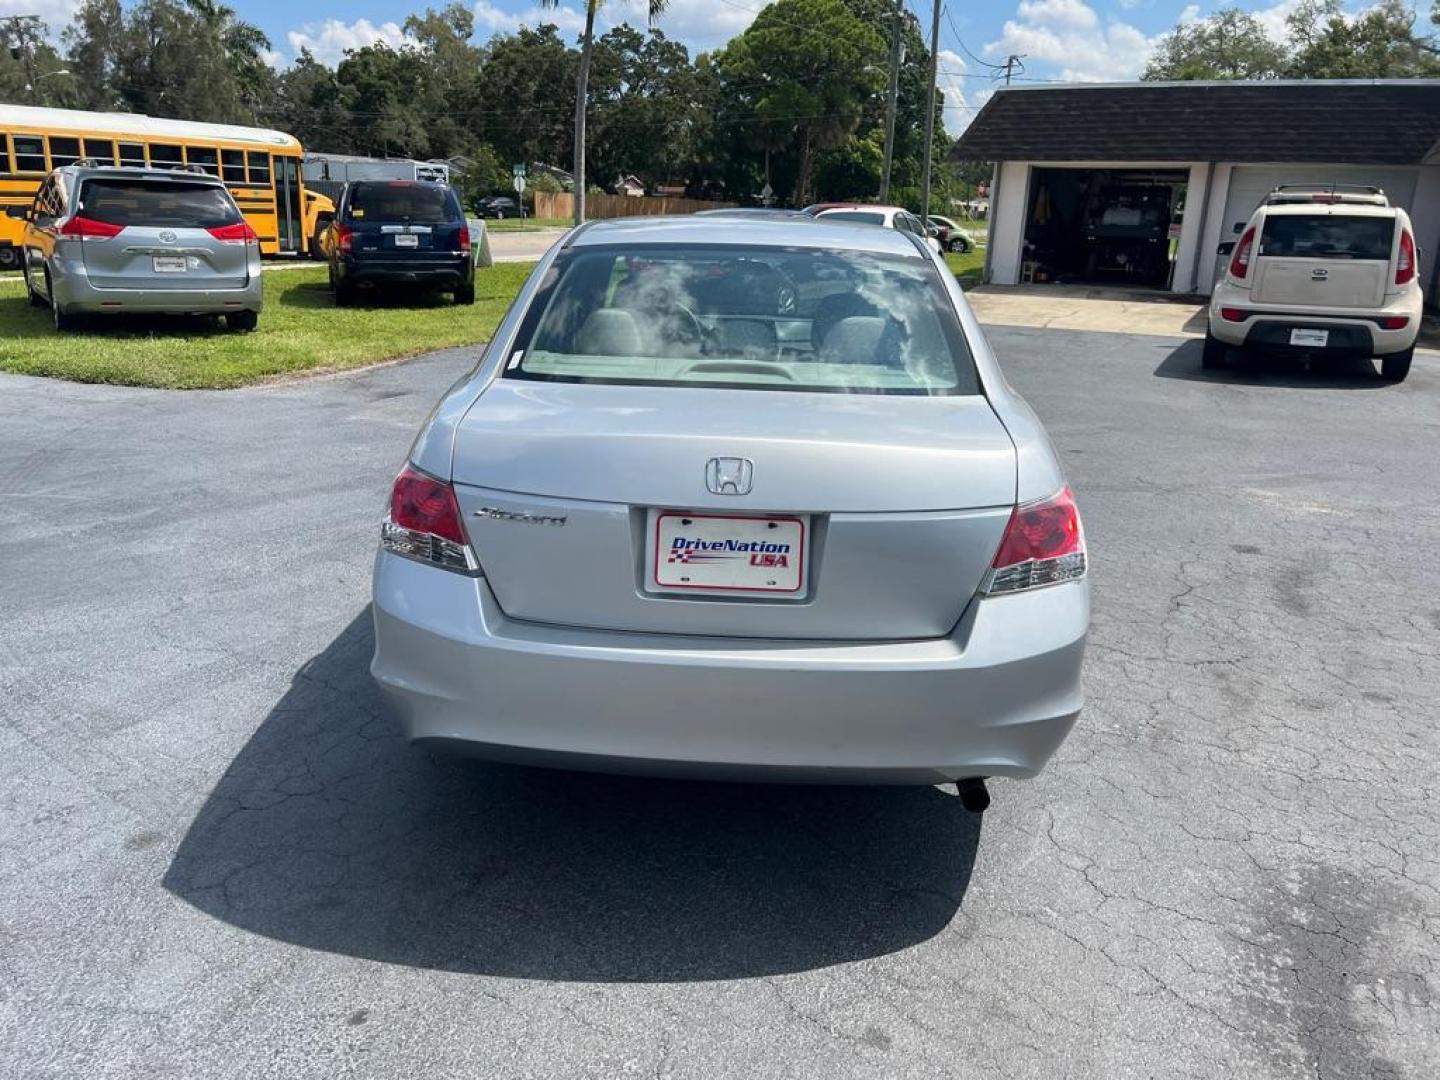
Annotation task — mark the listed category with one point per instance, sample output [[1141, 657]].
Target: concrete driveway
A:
[[220, 861]]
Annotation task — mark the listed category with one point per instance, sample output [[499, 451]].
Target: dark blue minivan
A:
[[400, 232]]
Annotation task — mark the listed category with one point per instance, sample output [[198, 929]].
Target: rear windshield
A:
[[865, 216], [1327, 236], [747, 318], [157, 203], [402, 200]]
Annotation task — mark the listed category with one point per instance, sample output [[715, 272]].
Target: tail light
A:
[[424, 524], [89, 227], [1394, 322], [465, 238], [1043, 544], [1240, 260], [1233, 314], [239, 233], [344, 237], [1405, 264]]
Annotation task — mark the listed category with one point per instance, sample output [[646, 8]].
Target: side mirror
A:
[[1227, 248]]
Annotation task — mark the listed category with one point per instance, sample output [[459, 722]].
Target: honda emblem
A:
[[729, 475]]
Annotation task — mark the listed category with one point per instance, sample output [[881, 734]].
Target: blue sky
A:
[[1065, 40]]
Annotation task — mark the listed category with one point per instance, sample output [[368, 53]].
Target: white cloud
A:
[[55, 14], [704, 24], [332, 38], [1074, 13], [961, 102], [490, 18], [274, 59], [1272, 19], [1067, 34]]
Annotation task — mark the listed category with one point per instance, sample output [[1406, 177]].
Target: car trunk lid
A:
[[1324, 260], [165, 239], [897, 504]]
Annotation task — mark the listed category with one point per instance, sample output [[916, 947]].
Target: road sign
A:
[[519, 183], [518, 169]]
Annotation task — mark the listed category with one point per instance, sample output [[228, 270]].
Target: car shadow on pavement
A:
[[331, 832], [1276, 369]]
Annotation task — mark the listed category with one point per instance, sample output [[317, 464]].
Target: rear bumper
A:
[[436, 273], [996, 698], [76, 294], [1349, 331]]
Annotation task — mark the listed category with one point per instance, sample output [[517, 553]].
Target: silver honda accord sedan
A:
[[740, 499]]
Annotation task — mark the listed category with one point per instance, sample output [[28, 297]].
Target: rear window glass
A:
[[1327, 236], [746, 318], [404, 201], [854, 215], [139, 202]]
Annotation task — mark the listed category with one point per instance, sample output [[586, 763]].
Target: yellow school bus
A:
[[261, 168]]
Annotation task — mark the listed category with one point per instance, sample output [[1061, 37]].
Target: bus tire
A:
[[317, 252]]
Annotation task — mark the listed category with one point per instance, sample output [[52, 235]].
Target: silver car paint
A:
[[111, 276], [993, 694]]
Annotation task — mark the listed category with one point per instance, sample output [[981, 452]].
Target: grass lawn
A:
[[968, 267], [516, 225], [300, 330]]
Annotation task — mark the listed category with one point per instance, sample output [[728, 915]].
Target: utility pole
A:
[[890, 98], [22, 34], [1012, 65], [930, 115]]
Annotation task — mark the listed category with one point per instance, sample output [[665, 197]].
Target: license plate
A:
[[746, 556], [1310, 339], [168, 264], [407, 240]]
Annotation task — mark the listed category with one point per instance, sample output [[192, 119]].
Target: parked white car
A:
[[1321, 270], [889, 217]]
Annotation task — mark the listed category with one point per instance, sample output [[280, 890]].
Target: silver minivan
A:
[[102, 240]]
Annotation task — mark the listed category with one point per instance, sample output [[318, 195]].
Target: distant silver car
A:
[[101, 240], [736, 498]]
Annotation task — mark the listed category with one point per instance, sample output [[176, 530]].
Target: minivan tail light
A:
[[424, 524], [1044, 544], [1405, 264], [1240, 260], [89, 227], [344, 236], [239, 233]]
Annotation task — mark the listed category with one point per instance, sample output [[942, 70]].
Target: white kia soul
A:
[[1331, 269]]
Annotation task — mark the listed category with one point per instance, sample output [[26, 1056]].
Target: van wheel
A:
[[1212, 355], [242, 320], [465, 294], [36, 300], [499, 215], [63, 319], [1396, 366], [344, 294]]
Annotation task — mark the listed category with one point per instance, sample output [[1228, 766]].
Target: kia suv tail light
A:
[[1043, 544], [1240, 260], [90, 228], [1405, 264], [424, 524]]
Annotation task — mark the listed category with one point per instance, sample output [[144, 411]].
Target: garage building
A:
[[1137, 184]]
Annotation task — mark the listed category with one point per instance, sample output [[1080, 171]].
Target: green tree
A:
[[1230, 44], [525, 91], [1379, 43], [800, 78], [582, 85]]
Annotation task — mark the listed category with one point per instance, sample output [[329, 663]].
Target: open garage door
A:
[[1103, 226]]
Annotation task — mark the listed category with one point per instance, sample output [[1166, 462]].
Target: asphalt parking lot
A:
[[219, 860]]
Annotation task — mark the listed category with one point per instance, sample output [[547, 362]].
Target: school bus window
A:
[[132, 154], [205, 156], [64, 150], [101, 151], [234, 166], [259, 168], [4, 155], [165, 156], [29, 154]]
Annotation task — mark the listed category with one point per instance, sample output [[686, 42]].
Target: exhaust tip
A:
[[974, 795]]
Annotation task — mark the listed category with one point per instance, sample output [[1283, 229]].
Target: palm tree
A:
[[582, 89]]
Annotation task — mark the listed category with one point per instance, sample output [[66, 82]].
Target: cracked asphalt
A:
[[218, 859]]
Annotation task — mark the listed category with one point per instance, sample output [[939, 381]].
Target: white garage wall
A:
[[1008, 204], [1249, 184]]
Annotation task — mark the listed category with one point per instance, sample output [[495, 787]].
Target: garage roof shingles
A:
[[1392, 122]]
